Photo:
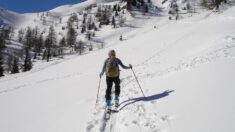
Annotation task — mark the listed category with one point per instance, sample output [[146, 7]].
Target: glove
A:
[[130, 66], [101, 74]]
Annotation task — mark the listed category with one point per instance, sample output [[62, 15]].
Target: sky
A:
[[28, 6]]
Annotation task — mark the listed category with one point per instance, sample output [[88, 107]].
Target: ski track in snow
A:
[[52, 63], [38, 82], [221, 51], [6, 90]]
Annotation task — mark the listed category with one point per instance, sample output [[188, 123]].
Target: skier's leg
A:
[[117, 90], [109, 82]]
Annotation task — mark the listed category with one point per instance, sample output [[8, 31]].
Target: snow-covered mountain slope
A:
[[10, 18], [185, 67], [68, 9], [29, 19], [59, 17]]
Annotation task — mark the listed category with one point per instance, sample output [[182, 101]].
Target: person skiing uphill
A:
[[111, 68]]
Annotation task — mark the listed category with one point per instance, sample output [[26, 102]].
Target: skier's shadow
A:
[[148, 98]]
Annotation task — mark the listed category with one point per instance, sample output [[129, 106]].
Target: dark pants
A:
[[110, 81]]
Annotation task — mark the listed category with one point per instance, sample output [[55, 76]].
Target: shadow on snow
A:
[[148, 98]]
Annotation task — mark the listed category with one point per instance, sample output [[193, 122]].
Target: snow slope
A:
[[10, 18], [185, 67], [28, 19]]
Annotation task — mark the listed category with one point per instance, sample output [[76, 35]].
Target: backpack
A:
[[112, 69]]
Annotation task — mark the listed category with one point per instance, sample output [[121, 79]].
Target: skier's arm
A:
[[122, 65], [103, 69]]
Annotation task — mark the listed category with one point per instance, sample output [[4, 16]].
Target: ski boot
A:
[[108, 106], [108, 110], [116, 102]]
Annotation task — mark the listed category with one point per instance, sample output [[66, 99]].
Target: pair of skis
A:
[[106, 124], [109, 112]]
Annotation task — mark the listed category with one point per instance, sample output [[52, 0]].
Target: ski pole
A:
[[137, 82], [97, 96]]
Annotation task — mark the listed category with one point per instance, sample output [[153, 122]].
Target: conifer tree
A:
[[40, 44], [2, 46], [28, 40], [15, 67], [71, 34], [27, 66], [63, 42], [71, 37], [1, 66], [9, 63], [113, 22], [81, 47], [21, 35], [50, 41], [61, 45]]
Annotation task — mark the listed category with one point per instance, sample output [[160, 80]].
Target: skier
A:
[[111, 68]]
